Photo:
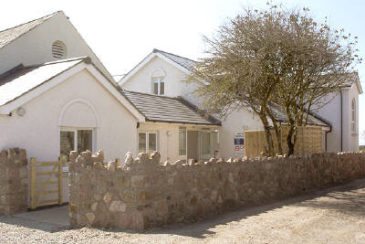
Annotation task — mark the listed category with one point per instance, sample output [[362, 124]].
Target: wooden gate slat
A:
[[37, 182]]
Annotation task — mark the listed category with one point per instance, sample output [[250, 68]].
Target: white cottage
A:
[[165, 74], [53, 101]]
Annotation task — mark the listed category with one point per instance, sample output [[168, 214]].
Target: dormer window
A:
[[58, 50], [158, 86]]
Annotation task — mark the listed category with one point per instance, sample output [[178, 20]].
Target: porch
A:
[[179, 141]]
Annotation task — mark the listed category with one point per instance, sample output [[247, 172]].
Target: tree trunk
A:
[[277, 130], [291, 139], [268, 136]]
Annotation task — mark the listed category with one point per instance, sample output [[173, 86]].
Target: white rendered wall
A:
[[332, 113], [233, 125], [174, 79], [351, 138], [35, 47], [38, 130]]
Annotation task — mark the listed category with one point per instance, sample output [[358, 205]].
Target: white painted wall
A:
[[80, 101], [35, 47], [351, 138], [235, 124], [332, 113], [174, 79]]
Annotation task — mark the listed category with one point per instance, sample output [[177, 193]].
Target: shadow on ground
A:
[[50, 219], [348, 199]]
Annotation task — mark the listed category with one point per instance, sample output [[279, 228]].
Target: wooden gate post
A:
[[60, 180], [33, 186]]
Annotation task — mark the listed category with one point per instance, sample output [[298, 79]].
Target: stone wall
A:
[[141, 193], [13, 181]]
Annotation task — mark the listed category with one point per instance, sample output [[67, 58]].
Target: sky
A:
[[121, 33]]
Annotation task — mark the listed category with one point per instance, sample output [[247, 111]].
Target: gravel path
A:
[[336, 215]]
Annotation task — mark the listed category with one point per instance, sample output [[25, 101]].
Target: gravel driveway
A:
[[336, 215]]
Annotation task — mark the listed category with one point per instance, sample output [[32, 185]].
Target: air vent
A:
[[58, 49]]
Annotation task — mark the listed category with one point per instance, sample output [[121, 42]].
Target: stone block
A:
[[137, 180], [117, 206]]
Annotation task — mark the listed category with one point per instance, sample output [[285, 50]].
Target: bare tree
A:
[[275, 56]]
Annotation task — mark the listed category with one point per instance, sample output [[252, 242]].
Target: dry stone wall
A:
[[141, 193], [13, 181]]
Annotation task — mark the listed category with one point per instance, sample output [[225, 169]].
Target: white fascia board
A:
[[107, 84], [136, 68], [179, 67], [147, 59], [18, 102]]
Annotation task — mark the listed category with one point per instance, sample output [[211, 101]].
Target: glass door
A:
[[205, 145]]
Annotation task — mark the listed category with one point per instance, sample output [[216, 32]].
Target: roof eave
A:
[[181, 122]]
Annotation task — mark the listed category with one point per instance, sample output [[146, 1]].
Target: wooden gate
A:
[[46, 183]]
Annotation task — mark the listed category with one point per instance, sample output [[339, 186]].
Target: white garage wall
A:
[[38, 130], [235, 124]]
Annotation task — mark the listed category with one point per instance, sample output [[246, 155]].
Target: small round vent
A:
[[58, 49]]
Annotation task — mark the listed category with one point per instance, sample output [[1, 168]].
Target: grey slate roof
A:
[[313, 119], [167, 109], [10, 34], [182, 61]]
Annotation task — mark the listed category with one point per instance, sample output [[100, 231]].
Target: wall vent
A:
[[58, 50]]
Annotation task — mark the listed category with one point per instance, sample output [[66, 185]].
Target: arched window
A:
[[353, 115]]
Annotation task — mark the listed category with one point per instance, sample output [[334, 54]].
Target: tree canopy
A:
[[275, 56]]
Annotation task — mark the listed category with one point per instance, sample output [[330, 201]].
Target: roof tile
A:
[[166, 109]]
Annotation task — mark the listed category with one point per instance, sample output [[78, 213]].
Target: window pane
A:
[[142, 142], [162, 88], [152, 142], [205, 137], [182, 141], [155, 88], [84, 140], [67, 142]]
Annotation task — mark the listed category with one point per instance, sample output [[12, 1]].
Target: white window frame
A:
[[158, 81], [148, 140], [74, 130]]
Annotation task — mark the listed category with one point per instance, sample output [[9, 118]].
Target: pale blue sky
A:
[[122, 32]]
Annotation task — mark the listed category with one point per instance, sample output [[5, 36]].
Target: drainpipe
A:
[[341, 96], [325, 141]]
